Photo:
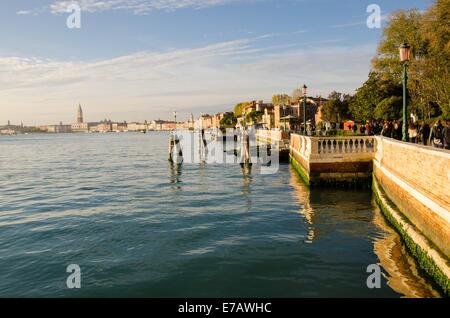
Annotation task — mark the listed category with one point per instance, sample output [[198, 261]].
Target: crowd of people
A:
[[420, 132], [437, 136]]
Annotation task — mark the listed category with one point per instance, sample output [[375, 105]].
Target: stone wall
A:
[[417, 180]]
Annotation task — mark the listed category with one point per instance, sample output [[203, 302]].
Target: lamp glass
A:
[[405, 52]]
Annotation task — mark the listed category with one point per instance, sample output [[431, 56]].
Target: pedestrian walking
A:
[[424, 133], [436, 139], [412, 133]]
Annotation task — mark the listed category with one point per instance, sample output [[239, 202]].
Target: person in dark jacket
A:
[[424, 133], [387, 129], [397, 131], [446, 135]]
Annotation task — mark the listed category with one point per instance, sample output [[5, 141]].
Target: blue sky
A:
[[142, 59]]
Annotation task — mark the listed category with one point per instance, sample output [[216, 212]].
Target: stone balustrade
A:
[[334, 148], [333, 159]]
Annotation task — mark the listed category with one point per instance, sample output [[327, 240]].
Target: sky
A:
[[139, 60]]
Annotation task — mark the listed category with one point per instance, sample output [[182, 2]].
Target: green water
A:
[[139, 227]]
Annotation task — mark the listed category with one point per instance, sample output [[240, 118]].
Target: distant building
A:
[[163, 125], [120, 127], [79, 115], [80, 125], [292, 113], [57, 129], [104, 126], [137, 126], [205, 121]]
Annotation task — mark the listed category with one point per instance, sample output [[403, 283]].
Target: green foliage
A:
[[336, 108], [428, 34], [254, 116], [229, 120], [376, 94], [403, 26], [239, 108], [389, 108]]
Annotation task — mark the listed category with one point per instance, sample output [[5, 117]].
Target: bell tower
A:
[[79, 115]]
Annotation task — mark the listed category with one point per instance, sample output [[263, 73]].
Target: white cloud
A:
[[136, 6], [148, 85], [24, 12]]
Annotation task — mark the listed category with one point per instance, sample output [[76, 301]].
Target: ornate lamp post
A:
[[304, 90], [405, 52]]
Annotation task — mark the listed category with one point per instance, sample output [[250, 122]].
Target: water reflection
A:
[[404, 276], [333, 208], [303, 196], [175, 174]]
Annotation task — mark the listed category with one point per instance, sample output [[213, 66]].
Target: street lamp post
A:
[[304, 108], [405, 51]]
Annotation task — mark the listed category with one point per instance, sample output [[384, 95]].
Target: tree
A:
[[229, 120], [365, 104], [389, 108], [254, 116], [239, 108], [432, 72], [428, 34], [336, 108], [403, 26], [281, 99]]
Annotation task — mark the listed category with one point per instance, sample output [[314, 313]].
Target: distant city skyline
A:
[[144, 59]]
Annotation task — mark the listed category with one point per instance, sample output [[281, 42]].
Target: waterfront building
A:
[[137, 126], [120, 127], [80, 125], [11, 129], [205, 121], [218, 117], [7, 132], [292, 113], [104, 126], [57, 129], [162, 125], [268, 118]]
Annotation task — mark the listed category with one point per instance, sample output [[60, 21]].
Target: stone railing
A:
[[334, 148]]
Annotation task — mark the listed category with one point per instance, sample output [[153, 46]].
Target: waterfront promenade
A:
[[410, 182]]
